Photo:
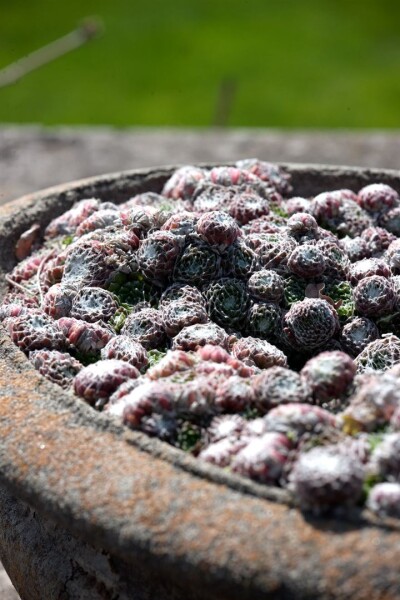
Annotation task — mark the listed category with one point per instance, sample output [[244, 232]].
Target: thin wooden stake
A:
[[88, 30], [224, 103]]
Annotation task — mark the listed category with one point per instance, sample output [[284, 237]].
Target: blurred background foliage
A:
[[266, 63]]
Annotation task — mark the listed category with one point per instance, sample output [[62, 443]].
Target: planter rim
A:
[[146, 502]]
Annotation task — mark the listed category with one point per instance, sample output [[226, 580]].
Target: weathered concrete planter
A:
[[90, 510]]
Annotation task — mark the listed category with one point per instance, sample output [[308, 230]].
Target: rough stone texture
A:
[[46, 562], [32, 158], [126, 506]]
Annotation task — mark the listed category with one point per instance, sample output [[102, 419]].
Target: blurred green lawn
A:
[[294, 63]]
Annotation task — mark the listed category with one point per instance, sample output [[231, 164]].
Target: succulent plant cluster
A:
[[227, 316]]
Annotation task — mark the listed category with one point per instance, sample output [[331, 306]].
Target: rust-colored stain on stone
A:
[[65, 459]]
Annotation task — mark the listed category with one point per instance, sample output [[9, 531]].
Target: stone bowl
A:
[[92, 510]]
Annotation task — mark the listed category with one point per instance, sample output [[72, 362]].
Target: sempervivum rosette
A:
[[95, 383], [145, 326], [278, 385], [227, 301], [324, 477], [197, 263], [266, 285], [35, 331], [93, 304], [310, 323], [180, 314], [329, 375], [59, 367], [157, 255], [258, 352]]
